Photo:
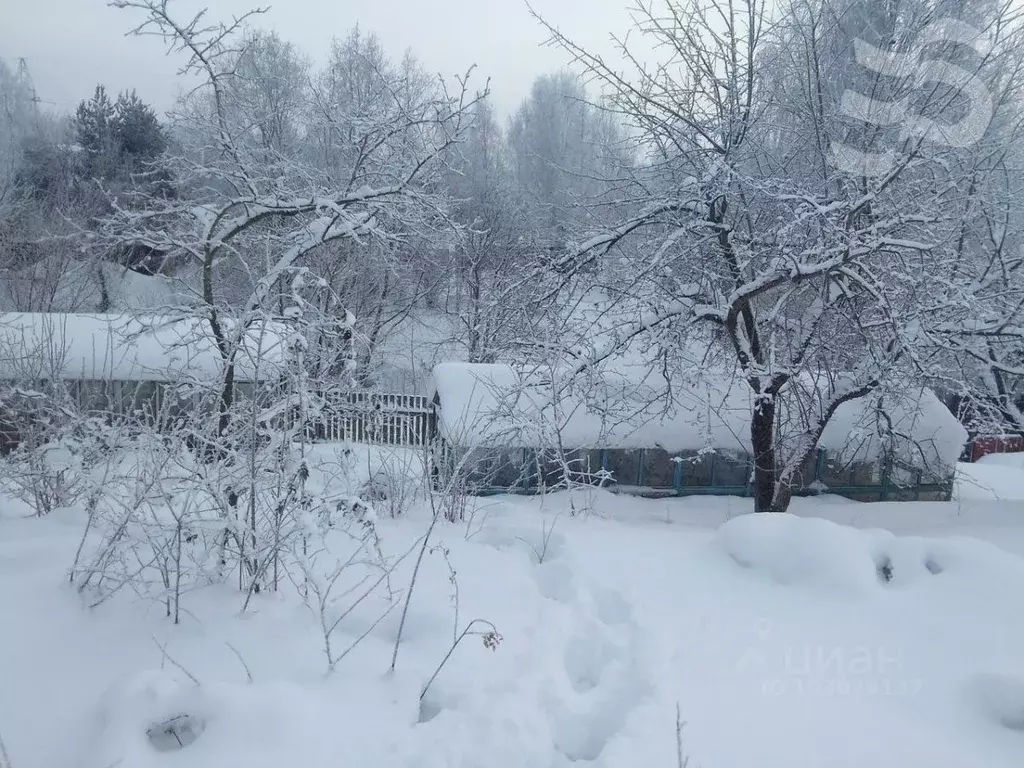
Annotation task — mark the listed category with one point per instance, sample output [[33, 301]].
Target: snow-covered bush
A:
[[149, 528], [396, 483], [42, 468], [345, 575], [189, 496], [42, 477]]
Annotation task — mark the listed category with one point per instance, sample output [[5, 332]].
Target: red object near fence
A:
[[983, 446]]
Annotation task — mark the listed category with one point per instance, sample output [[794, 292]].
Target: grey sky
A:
[[71, 45]]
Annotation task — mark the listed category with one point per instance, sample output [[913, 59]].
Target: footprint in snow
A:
[[1000, 698], [555, 582], [602, 664], [611, 606]]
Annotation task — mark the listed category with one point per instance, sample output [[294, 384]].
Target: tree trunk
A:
[[762, 440], [226, 400], [783, 495], [474, 344], [104, 303]]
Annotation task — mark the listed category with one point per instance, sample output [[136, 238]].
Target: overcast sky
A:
[[71, 45]]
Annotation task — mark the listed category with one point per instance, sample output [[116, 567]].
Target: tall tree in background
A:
[[121, 143], [488, 297], [380, 282], [95, 133], [136, 131], [270, 87], [18, 118], [552, 138], [117, 138], [39, 247]]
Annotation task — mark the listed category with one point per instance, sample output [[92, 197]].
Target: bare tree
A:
[[784, 236], [375, 190], [486, 294], [271, 86]]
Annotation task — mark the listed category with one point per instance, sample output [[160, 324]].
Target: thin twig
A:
[[168, 657], [491, 640], [248, 672], [681, 761]]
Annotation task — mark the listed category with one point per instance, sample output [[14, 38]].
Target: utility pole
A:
[[24, 78]]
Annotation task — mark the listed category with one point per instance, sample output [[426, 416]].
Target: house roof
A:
[[112, 347], [500, 405]]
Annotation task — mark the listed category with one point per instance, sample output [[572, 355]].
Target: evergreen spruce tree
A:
[[136, 130], [94, 130]]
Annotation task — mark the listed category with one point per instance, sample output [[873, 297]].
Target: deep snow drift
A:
[[996, 476], [812, 639]]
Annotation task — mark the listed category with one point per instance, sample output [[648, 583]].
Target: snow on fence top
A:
[[102, 347], [492, 405]]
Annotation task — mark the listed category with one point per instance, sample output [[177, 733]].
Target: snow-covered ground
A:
[[998, 475], [812, 639]]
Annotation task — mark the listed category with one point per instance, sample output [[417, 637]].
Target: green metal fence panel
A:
[[656, 472]]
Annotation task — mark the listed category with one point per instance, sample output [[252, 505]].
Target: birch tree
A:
[[560, 144], [487, 294]]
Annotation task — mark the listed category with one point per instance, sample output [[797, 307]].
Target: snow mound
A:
[[798, 550], [1000, 698], [811, 551], [996, 476], [1013, 460]]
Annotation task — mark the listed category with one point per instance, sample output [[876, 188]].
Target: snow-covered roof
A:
[[110, 347], [501, 405]]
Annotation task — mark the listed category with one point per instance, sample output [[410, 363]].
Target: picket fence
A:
[[375, 417]]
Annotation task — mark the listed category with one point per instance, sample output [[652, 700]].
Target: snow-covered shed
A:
[[513, 427], [109, 361]]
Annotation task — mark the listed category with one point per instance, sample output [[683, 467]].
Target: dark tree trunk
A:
[[762, 440], [104, 303], [226, 400]]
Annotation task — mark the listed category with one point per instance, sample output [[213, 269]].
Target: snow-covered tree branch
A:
[[751, 236]]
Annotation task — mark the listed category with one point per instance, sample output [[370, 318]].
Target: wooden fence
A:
[[375, 417]]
